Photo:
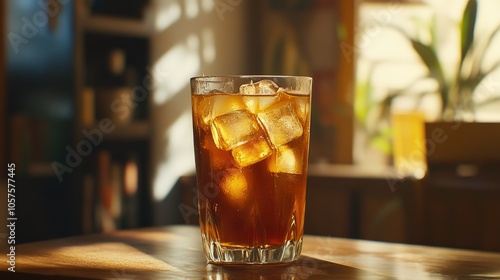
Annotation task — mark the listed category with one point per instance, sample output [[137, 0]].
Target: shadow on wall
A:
[[191, 38]]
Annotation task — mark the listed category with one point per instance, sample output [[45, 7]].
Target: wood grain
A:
[[174, 252]]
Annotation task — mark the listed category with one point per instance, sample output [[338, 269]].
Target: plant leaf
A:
[[482, 52], [431, 61], [468, 26], [473, 81], [361, 106], [362, 102], [382, 142], [427, 54], [428, 57]]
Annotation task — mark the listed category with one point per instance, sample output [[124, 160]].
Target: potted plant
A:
[[456, 93]]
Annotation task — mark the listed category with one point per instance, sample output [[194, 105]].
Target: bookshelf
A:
[[82, 161], [112, 58], [118, 26]]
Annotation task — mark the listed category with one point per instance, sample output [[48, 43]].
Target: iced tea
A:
[[409, 144], [251, 148]]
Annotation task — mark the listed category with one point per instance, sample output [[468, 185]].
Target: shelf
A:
[[136, 130], [351, 171], [118, 26], [112, 24], [41, 169]]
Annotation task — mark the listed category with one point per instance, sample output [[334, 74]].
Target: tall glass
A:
[[251, 138], [409, 144]]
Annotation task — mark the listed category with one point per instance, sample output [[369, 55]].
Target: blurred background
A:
[[96, 116]]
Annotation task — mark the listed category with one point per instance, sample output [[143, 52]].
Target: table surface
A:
[[174, 252]]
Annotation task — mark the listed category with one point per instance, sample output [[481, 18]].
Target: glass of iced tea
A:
[[251, 138], [409, 144]]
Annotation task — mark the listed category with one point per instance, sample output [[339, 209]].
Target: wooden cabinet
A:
[[462, 189], [353, 202], [462, 212]]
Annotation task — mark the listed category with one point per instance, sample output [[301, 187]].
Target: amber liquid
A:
[[255, 206], [409, 144]]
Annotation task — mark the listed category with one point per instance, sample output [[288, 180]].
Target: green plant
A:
[[370, 114], [456, 93]]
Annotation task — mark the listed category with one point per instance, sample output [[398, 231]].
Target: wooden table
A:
[[174, 252]]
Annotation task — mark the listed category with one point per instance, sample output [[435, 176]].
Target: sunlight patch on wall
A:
[[167, 16], [179, 63], [207, 5], [180, 154], [208, 43], [184, 45], [192, 8]]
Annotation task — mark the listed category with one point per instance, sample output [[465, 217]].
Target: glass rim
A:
[[247, 76], [205, 85]]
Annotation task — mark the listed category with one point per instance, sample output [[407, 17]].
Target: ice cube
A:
[[218, 86], [301, 103], [234, 129], [302, 106], [281, 123], [286, 160], [263, 87], [234, 185], [213, 106], [251, 152], [224, 104], [256, 104], [202, 111]]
